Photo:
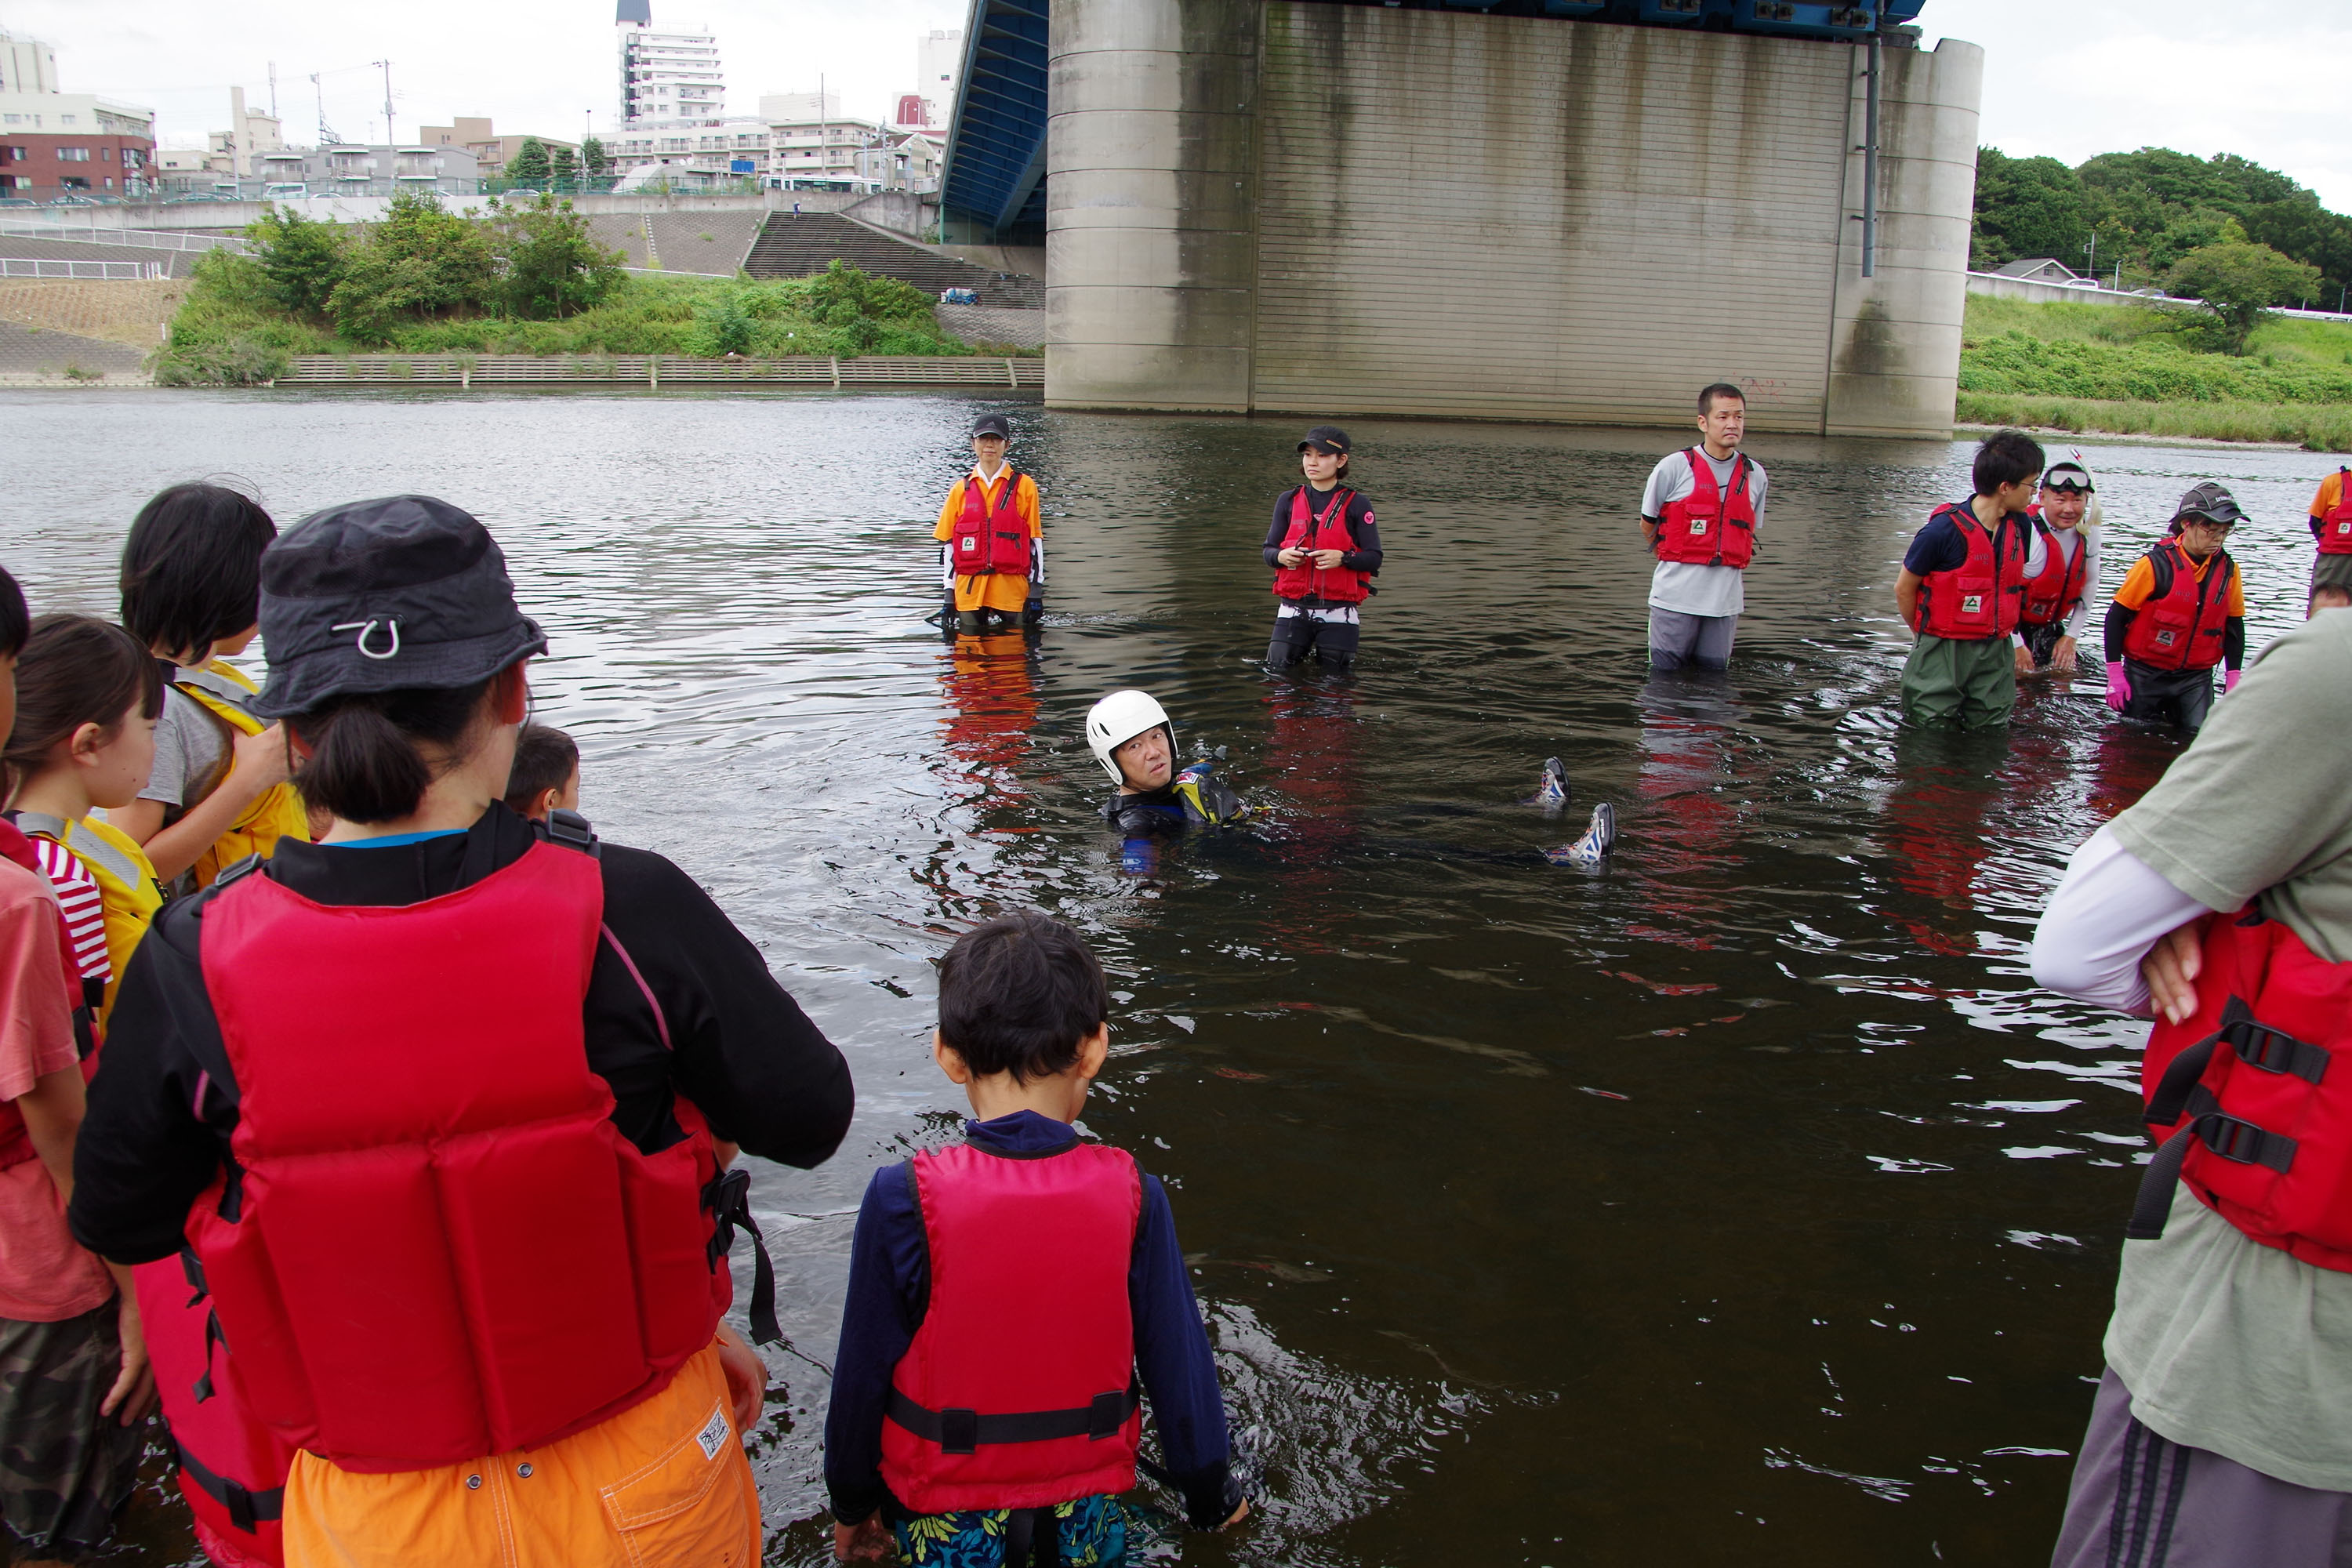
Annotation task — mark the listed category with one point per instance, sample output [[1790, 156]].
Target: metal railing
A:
[[44, 266], [141, 238]]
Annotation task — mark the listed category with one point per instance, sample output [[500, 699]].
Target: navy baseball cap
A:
[[1327, 438], [401, 593], [991, 425]]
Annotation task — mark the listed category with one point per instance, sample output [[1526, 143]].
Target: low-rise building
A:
[[347, 170]]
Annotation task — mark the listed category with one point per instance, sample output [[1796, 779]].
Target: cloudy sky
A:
[[2067, 78]]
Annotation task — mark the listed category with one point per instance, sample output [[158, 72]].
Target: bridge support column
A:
[[1151, 189]]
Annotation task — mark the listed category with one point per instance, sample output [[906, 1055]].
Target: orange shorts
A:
[[663, 1482]]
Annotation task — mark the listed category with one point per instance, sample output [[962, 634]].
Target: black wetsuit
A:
[[1331, 629]]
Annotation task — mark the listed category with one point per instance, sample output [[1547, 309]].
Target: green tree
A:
[[528, 166], [301, 260], [422, 261], [552, 266], [2239, 282], [2026, 207], [594, 159], [564, 163]]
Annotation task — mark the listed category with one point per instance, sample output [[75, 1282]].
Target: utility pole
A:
[[273, 90], [388, 137], [823, 133]]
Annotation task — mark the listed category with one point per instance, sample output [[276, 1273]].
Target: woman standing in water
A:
[[432, 1105]]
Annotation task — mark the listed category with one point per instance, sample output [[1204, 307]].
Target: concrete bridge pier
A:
[[1151, 183]]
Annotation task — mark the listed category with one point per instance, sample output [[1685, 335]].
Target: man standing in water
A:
[[1699, 516], [2221, 905]]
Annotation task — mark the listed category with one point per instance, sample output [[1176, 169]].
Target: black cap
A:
[[2210, 502], [991, 425], [1327, 438], [385, 595], [2067, 476]]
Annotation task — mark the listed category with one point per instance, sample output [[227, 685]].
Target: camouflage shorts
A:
[[65, 1472]]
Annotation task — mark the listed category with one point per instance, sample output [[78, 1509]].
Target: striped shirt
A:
[[84, 906]]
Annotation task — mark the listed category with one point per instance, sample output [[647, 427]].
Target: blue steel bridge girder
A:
[[996, 139], [995, 166]]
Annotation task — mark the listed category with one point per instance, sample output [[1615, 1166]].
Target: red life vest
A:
[[434, 1244], [2055, 594], [1707, 527], [988, 540], [1324, 531], [1019, 1388], [2335, 527], [2182, 623], [2253, 1096], [232, 1469], [1980, 598], [16, 1141]]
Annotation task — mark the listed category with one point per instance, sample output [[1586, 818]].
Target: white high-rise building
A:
[[667, 78], [939, 62], [27, 65]]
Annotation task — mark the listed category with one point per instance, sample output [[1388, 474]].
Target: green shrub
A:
[[301, 261]]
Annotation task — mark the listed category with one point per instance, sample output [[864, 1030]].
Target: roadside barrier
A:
[[655, 370]]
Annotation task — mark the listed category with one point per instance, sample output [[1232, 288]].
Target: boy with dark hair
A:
[[2180, 610], [1008, 1294], [546, 773], [1324, 548], [192, 594], [1962, 592], [1699, 515]]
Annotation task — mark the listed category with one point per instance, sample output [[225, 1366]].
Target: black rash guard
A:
[[1361, 528], [745, 1054]]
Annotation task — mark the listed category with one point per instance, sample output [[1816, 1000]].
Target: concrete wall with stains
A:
[[1339, 209]]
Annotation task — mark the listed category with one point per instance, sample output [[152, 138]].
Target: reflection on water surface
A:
[[1743, 1201]]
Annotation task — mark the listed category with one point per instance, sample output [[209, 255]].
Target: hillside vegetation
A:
[[523, 281]]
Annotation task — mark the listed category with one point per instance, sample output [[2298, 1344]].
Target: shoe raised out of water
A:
[[1553, 790], [1599, 839]]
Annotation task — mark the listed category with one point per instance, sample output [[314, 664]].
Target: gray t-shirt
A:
[[1687, 585], [2227, 1344], [191, 751]]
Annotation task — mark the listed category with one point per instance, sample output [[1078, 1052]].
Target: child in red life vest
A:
[[1962, 592], [1325, 550], [1009, 1294], [75, 1387], [2180, 610], [992, 538]]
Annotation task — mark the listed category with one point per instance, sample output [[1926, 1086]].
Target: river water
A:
[[1742, 1202]]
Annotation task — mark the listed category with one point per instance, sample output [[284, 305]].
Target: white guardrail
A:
[[140, 239], [44, 266]]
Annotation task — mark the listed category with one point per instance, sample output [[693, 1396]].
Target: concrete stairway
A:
[[791, 247]]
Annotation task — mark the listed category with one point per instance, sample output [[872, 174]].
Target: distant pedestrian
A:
[[1962, 590], [1324, 547], [1699, 515], [992, 539], [2180, 610], [2058, 597], [2331, 525]]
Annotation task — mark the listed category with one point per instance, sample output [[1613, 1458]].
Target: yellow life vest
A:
[[126, 885], [276, 812]]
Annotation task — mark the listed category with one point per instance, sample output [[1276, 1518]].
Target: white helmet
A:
[[1119, 719]]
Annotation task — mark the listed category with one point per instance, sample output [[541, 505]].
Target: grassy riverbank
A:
[[2137, 370], [229, 328]]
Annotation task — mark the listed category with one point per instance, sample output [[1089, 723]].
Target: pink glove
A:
[[2229, 681], [2118, 687]]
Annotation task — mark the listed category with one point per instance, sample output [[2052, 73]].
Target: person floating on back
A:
[[1009, 1294], [546, 774], [2331, 528], [2058, 597], [1962, 592], [2180, 610], [1132, 737], [1700, 512], [1324, 548], [992, 538], [192, 592]]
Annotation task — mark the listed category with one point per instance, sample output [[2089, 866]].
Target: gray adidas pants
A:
[[1677, 639], [2140, 1501]]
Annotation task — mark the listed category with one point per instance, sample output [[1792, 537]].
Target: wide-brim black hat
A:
[[401, 593]]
